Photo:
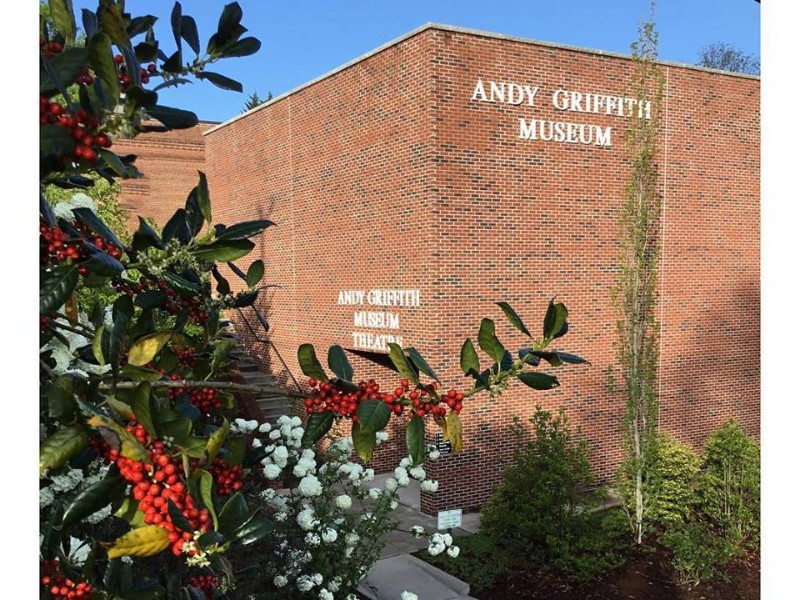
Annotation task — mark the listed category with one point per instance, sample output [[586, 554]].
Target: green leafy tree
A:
[[726, 57], [635, 294]]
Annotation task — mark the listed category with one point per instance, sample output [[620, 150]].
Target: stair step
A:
[[247, 367]]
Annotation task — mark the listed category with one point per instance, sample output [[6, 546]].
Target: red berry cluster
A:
[[186, 356], [82, 125], [56, 246], [125, 79], [60, 587], [49, 49], [156, 484], [175, 302], [205, 399], [327, 397], [228, 479], [204, 583]]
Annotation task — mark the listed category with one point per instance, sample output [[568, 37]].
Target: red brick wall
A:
[[386, 175], [169, 162]]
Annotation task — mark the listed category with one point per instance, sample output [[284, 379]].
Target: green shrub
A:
[[729, 485], [698, 551], [669, 488], [537, 512]]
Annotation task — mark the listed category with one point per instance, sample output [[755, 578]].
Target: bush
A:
[[670, 495], [697, 552], [730, 484], [537, 513]]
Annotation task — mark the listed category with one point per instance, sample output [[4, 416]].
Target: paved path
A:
[[397, 571]]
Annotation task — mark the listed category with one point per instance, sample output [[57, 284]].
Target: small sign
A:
[[442, 445], [448, 519]]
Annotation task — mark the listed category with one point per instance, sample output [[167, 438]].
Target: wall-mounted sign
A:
[[442, 445], [385, 316], [565, 101]]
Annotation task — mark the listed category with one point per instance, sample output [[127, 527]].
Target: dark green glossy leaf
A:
[[245, 299], [179, 429], [344, 384], [254, 529], [223, 250], [216, 439], [174, 118], [101, 60], [63, 18], [233, 514], [144, 405], [513, 318], [140, 25], [469, 359], [55, 140], [311, 367], [112, 23], [208, 539], [146, 51], [229, 22], [254, 456], [178, 227], [89, 218], [402, 365], [364, 443], [189, 33], [538, 381], [55, 286], [226, 83], [101, 263], [238, 448], [318, 425], [206, 489], [61, 397], [182, 285], [554, 320], [121, 315], [421, 363], [244, 230], [415, 440], [221, 353], [373, 415], [223, 287], [111, 160], [145, 237], [178, 519], [96, 496], [61, 70], [151, 299], [338, 363], [62, 445], [90, 23], [204, 197], [244, 47], [193, 215], [489, 342], [175, 22], [255, 273]]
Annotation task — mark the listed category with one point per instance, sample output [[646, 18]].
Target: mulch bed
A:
[[647, 575]]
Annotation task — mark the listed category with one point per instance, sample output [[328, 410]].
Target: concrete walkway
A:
[[397, 571]]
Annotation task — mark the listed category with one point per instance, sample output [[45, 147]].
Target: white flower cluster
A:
[[408, 596], [240, 426], [63, 210], [440, 542]]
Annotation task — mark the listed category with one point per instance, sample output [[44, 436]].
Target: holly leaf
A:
[[538, 381], [513, 318], [469, 359], [373, 415], [143, 350], [415, 440], [318, 425], [144, 541], [555, 320], [55, 287], [62, 445], [488, 341], [401, 363], [364, 443], [255, 273], [311, 367], [338, 363]]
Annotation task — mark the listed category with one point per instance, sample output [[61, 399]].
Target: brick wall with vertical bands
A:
[[386, 175]]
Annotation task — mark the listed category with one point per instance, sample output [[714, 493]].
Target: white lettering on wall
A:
[[563, 100], [367, 319]]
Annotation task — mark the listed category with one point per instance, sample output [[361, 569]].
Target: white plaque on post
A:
[[449, 519]]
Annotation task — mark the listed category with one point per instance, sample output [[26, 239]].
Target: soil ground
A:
[[647, 575]]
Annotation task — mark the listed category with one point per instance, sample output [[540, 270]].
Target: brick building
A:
[[463, 168]]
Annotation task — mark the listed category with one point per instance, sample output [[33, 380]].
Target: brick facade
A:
[[391, 173]]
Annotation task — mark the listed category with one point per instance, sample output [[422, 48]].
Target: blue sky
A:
[[304, 39]]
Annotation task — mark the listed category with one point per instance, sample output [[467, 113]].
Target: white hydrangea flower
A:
[[63, 210], [402, 476], [306, 519], [304, 583], [405, 462], [408, 596], [329, 535], [417, 473], [417, 531], [272, 471], [375, 493], [310, 486], [348, 552], [317, 578], [264, 427], [325, 595], [447, 538], [381, 436], [280, 455], [280, 581], [453, 551], [283, 420], [351, 539], [369, 475], [308, 454], [429, 485], [46, 496], [257, 443], [391, 484], [344, 501], [344, 469], [295, 421], [81, 200], [297, 433], [334, 584], [239, 425], [274, 434], [312, 539], [303, 467], [435, 549], [393, 504], [434, 454], [268, 494]]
